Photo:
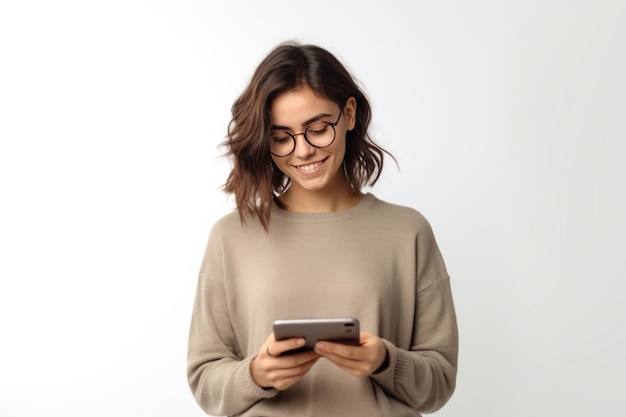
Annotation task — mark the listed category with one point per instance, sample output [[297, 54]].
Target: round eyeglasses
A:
[[318, 135]]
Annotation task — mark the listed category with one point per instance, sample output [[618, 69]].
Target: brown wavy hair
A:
[[254, 179]]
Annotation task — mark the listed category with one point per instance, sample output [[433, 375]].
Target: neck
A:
[[336, 198]]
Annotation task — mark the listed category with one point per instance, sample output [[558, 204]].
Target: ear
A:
[[350, 112]]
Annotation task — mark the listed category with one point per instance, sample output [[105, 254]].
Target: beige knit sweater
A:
[[377, 261]]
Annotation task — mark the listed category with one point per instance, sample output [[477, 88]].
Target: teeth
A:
[[309, 167]]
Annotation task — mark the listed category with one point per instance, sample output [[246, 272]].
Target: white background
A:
[[508, 121]]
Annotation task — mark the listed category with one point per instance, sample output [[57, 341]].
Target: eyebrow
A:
[[308, 122]]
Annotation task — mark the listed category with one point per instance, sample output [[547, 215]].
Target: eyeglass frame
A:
[[293, 136]]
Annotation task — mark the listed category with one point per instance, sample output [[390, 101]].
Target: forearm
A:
[[424, 381], [225, 386], [423, 375]]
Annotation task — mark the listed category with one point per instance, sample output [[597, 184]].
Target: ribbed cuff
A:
[[398, 370], [248, 389]]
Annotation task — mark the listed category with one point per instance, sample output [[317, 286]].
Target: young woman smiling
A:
[[306, 242], [318, 182]]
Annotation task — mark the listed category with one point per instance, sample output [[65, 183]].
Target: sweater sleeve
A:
[[218, 373], [424, 376]]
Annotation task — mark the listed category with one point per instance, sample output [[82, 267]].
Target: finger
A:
[[277, 348], [269, 369], [338, 349], [341, 360], [267, 350], [357, 360], [282, 378], [288, 361], [343, 356], [354, 367]]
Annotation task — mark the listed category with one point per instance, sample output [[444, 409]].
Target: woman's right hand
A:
[[270, 370]]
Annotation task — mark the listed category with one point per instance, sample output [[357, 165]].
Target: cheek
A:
[[339, 148], [279, 164]]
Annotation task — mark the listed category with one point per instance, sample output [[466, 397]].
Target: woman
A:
[[306, 242]]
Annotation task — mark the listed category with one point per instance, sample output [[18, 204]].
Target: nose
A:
[[303, 148]]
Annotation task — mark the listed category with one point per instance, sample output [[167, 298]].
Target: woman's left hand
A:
[[359, 361]]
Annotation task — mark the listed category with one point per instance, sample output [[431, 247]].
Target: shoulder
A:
[[227, 223], [397, 215], [231, 226]]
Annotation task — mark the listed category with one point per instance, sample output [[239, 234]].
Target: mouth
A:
[[310, 167]]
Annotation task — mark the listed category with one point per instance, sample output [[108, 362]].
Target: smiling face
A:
[[311, 169]]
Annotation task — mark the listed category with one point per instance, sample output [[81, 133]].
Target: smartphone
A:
[[339, 329]]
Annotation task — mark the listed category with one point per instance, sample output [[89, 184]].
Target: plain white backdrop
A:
[[507, 119]]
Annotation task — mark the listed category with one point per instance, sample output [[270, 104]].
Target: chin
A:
[[305, 187]]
